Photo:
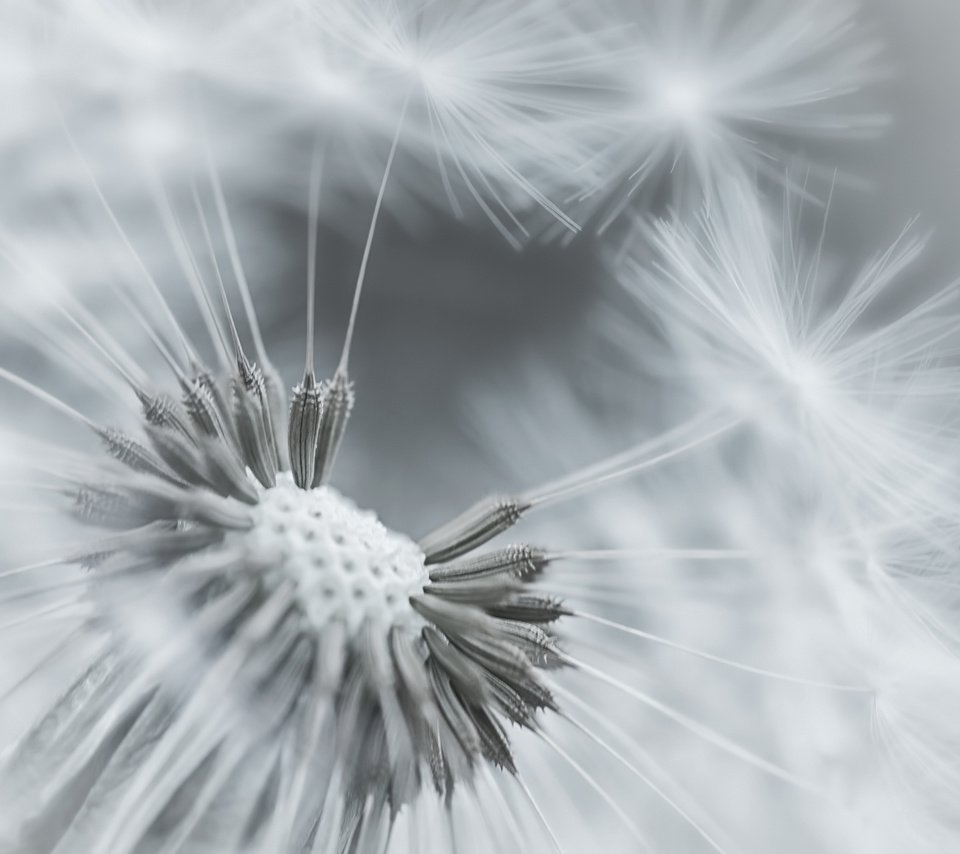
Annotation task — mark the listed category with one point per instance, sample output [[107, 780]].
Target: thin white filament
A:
[[45, 397], [648, 554], [619, 757], [635, 748], [188, 263], [361, 275], [233, 251], [313, 218], [708, 734], [212, 252], [737, 665], [122, 234], [515, 834], [644, 456], [599, 789], [539, 813]]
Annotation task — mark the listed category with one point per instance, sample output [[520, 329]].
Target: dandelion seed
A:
[[755, 316], [491, 86], [733, 88]]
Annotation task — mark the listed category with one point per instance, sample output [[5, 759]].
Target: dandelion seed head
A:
[[216, 572]]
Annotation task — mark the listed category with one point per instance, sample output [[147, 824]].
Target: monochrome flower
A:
[[723, 617], [261, 662]]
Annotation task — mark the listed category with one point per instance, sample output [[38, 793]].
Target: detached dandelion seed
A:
[[704, 91], [488, 90], [763, 320]]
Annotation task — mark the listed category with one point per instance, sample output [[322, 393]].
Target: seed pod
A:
[[481, 523], [303, 433], [337, 398]]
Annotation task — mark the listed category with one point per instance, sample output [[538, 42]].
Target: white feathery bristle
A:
[[762, 323], [486, 91]]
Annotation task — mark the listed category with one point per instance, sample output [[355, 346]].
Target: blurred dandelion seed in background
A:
[[707, 89], [728, 621]]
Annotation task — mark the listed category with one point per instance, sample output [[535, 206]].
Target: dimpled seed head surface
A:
[[345, 563]]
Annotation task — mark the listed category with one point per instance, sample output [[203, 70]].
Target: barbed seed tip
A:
[[336, 403]]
